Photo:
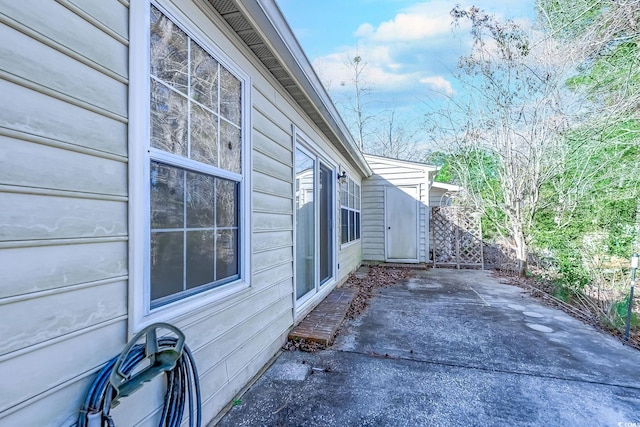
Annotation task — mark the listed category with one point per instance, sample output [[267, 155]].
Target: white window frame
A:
[[349, 209], [140, 155]]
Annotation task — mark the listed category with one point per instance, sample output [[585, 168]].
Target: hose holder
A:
[[159, 360]]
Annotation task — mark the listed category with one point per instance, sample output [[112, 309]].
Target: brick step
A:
[[322, 323]]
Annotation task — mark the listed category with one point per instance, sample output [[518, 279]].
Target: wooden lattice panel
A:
[[457, 237]]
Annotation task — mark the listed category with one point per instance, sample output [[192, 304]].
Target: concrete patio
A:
[[451, 348]]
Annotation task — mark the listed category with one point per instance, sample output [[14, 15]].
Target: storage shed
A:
[[395, 211]]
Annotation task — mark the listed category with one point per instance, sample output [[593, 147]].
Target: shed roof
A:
[[445, 186], [401, 163]]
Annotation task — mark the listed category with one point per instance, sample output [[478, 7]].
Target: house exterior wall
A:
[[65, 204], [390, 172]]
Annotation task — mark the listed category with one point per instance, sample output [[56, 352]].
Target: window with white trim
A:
[[349, 211], [195, 164]]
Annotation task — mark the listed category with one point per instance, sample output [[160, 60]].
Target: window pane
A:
[[357, 225], [169, 53], [351, 191], [199, 258], [344, 226], [200, 197], [204, 77], [357, 196], [352, 228], [169, 119], [194, 218], [204, 135], [230, 147], [230, 97], [166, 264], [344, 194], [226, 203], [226, 254], [167, 196]]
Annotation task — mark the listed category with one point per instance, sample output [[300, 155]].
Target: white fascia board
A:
[[401, 163], [445, 186]]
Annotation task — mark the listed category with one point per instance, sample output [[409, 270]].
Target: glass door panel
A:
[[326, 223], [305, 224]]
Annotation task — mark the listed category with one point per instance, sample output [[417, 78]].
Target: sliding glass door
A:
[[314, 224]]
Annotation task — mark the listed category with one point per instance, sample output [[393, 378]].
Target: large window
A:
[[195, 168], [349, 211]]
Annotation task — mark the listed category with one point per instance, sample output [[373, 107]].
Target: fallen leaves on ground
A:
[[377, 277], [303, 345]]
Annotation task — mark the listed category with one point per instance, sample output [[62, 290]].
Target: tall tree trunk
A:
[[522, 252]]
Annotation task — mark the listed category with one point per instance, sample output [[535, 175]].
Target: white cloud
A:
[[409, 56], [439, 83], [407, 26], [379, 72], [421, 21], [364, 30]]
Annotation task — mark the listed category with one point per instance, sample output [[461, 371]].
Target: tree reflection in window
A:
[[195, 130], [349, 211]]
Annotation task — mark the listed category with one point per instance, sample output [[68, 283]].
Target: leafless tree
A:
[[505, 135], [358, 103], [378, 132], [395, 138]]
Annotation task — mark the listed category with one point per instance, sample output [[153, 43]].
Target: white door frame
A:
[[417, 225], [302, 304]]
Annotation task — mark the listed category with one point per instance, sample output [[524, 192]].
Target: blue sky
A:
[[409, 46]]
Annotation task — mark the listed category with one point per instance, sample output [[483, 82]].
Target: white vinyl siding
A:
[[440, 196], [63, 203]]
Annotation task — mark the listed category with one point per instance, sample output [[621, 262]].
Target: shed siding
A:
[[63, 223], [387, 172]]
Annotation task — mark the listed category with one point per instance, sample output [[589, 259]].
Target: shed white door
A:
[[401, 224]]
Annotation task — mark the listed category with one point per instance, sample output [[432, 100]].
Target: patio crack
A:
[[479, 296]]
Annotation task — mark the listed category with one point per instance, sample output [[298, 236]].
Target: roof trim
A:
[[445, 186], [406, 163]]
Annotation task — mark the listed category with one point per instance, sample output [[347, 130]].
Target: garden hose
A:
[[183, 386]]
